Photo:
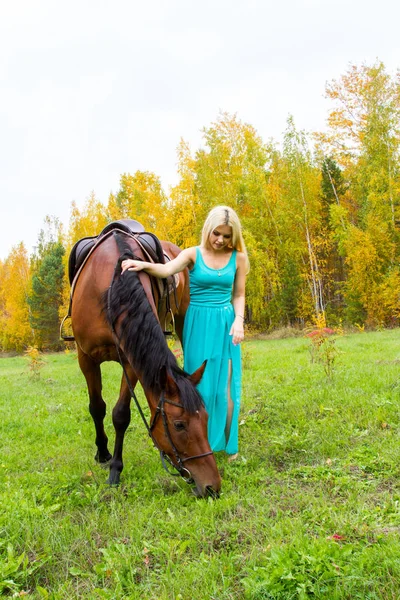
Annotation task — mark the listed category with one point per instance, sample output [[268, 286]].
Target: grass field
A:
[[311, 509]]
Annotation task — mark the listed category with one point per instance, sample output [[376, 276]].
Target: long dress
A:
[[208, 321]]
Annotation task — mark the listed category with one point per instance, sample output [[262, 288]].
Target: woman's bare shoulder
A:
[[189, 255], [240, 258], [190, 251]]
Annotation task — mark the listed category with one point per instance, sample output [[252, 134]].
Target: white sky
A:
[[93, 89]]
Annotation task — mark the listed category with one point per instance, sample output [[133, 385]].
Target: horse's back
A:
[[91, 330]]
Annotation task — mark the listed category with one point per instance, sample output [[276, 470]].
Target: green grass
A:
[[311, 509]]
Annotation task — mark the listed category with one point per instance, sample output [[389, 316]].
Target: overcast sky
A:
[[92, 89]]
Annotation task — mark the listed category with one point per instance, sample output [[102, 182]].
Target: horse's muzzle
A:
[[209, 492]]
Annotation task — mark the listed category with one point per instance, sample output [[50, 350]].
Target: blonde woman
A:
[[214, 321]]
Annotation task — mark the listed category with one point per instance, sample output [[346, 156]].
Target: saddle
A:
[[148, 242]]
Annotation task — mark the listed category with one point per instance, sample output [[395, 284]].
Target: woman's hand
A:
[[131, 265], [237, 331]]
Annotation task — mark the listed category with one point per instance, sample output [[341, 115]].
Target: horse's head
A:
[[179, 429]]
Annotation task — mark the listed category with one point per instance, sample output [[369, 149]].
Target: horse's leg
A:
[[121, 416], [97, 406]]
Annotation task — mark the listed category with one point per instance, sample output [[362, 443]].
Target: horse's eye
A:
[[179, 425]]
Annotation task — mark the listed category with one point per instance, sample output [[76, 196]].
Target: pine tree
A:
[[46, 297]]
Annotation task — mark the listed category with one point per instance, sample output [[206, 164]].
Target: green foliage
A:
[[290, 291], [46, 297], [310, 570], [16, 569], [311, 508], [333, 185]]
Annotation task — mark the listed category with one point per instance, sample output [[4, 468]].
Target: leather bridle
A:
[[179, 466]]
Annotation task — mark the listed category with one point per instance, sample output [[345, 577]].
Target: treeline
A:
[[321, 217]]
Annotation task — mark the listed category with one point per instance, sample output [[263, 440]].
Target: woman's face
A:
[[221, 237]]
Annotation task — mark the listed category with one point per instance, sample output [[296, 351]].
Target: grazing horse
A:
[[114, 317]]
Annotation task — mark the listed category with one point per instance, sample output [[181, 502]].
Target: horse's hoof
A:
[[103, 461], [113, 479]]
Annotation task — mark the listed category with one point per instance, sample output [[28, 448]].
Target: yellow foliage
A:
[[319, 320], [87, 222], [15, 330], [142, 198]]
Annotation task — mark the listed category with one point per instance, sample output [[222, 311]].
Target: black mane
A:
[[144, 342]]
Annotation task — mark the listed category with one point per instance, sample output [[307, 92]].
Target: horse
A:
[[114, 317]]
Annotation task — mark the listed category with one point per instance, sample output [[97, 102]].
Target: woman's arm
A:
[[238, 299], [185, 259]]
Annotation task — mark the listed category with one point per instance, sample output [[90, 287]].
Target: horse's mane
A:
[[143, 339]]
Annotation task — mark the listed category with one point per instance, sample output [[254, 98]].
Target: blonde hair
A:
[[224, 215]]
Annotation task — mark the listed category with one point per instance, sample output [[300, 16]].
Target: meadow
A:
[[311, 508]]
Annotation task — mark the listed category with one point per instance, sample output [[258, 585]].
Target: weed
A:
[[322, 345], [323, 349], [36, 361], [16, 570], [246, 356]]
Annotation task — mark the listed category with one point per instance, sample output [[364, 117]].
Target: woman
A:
[[214, 321]]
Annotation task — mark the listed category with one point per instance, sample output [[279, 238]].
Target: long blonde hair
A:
[[224, 215]]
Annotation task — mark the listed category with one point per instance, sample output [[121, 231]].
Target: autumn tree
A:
[[87, 221], [364, 137], [303, 218], [229, 170], [15, 331], [142, 198], [321, 222]]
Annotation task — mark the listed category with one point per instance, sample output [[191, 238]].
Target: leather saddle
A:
[[148, 241], [151, 247]]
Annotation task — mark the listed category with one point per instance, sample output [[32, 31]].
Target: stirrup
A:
[[64, 336], [171, 331]]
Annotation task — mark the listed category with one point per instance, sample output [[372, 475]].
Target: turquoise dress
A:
[[208, 321]]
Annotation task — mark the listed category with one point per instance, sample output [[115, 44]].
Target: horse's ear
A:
[[167, 383], [196, 376]]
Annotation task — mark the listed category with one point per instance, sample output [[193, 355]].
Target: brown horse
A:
[[114, 317]]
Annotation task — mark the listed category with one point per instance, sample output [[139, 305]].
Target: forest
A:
[[320, 214]]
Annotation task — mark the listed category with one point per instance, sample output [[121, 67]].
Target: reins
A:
[[179, 466]]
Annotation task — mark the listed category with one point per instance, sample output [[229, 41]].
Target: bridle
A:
[[160, 410], [179, 466]]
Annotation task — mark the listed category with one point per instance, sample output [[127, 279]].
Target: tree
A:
[[15, 330], [302, 194], [142, 198], [46, 297], [364, 137], [88, 221]]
